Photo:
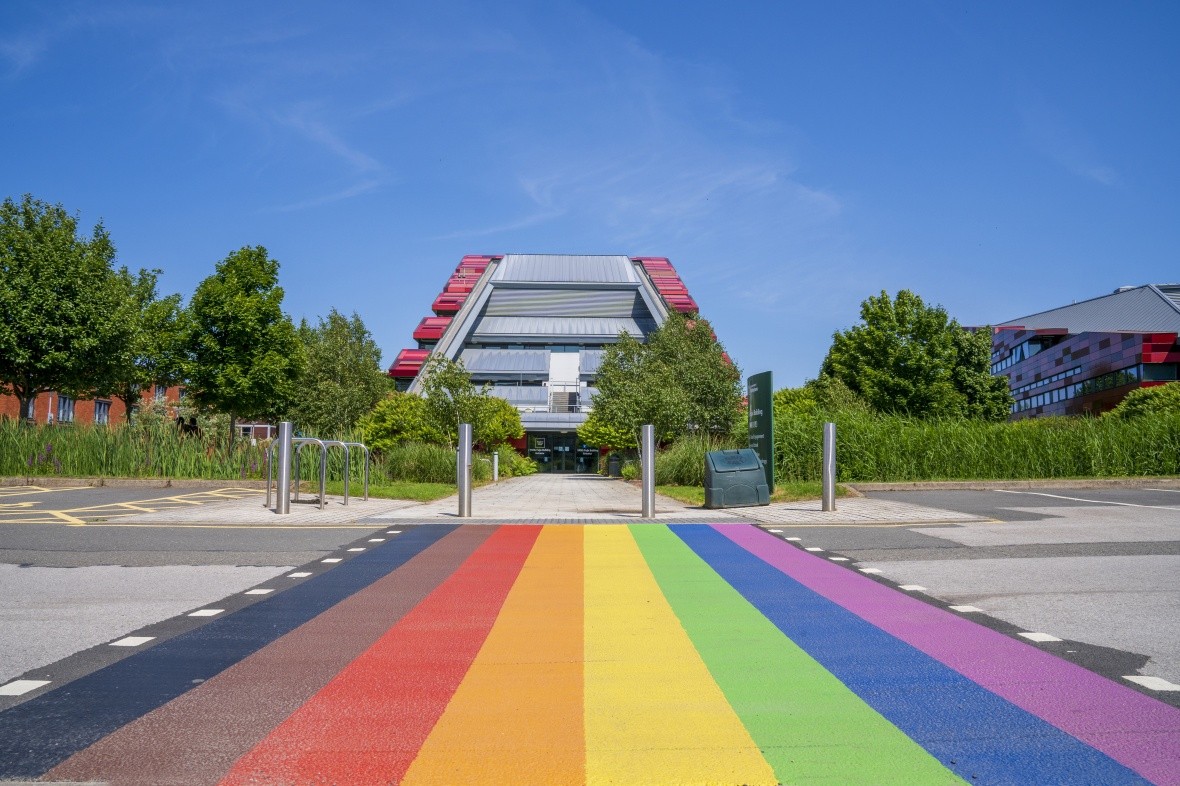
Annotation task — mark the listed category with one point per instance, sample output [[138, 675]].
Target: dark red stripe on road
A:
[[367, 725], [196, 738], [45, 731]]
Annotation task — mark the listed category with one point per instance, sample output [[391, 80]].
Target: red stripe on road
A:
[[367, 725]]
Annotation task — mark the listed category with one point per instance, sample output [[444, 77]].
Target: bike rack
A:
[[275, 450]]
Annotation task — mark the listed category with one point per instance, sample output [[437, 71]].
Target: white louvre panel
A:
[[494, 361], [572, 329], [566, 303]]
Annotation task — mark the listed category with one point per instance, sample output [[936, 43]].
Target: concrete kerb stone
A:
[[993, 485], [54, 482]]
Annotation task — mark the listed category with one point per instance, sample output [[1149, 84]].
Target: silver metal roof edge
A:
[[651, 295], [462, 323]]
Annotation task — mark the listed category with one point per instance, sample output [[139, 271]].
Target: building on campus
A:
[[53, 408], [1085, 357], [534, 327]]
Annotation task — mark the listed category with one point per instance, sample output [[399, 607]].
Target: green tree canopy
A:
[[680, 381], [64, 319], [909, 358], [246, 357], [452, 398], [342, 379], [155, 352]]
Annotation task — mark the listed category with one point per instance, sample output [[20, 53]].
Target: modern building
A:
[[1085, 357], [534, 327]]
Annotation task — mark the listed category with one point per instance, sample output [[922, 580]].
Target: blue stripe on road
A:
[[972, 731], [46, 730]]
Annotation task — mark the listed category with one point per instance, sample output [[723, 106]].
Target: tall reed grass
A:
[[894, 448], [155, 449]]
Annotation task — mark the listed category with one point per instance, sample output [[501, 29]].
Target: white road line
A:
[[869, 570], [259, 592], [300, 575], [794, 540], [1153, 683], [814, 548], [330, 560], [206, 613], [838, 559], [376, 540], [775, 530], [1170, 491], [132, 641], [912, 587], [21, 687], [964, 609], [358, 548], [1034, 636], [394, 532], [1081, 499]]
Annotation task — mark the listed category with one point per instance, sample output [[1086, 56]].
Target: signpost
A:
[[760, 392]]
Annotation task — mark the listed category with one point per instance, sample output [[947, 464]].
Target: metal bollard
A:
[[648, 468], [283, 492], [829, 470], [495, 467], [463, 469]]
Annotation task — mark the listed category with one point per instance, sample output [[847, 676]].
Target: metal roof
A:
[[483, 361], [572, 328], [590, 360], [523, 395], [566, 268], [1145, 309]]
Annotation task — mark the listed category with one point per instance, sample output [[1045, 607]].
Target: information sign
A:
[[760, 393]]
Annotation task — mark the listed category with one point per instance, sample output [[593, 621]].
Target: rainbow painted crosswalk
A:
[[592, 654]]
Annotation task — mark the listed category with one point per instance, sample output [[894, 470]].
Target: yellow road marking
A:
[[78, 516], [16, 491]]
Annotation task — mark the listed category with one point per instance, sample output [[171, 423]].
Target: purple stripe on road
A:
[[1131, 728]]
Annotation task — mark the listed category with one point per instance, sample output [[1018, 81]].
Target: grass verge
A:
[[791, 491], [418, 492]]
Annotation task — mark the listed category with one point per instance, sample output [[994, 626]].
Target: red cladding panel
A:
[[409, 363], [431, 328]]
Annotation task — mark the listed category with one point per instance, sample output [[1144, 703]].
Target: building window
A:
[[182, 393], [65, 409], [161, 392], [102, 412]]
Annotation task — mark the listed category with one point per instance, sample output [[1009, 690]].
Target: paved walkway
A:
[[570, 499]]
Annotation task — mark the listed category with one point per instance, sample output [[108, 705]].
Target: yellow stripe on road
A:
[[653, 712]]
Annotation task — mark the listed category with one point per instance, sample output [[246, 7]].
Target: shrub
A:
[[683, 463], [1158, 400]]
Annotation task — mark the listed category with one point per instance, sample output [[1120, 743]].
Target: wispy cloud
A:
[[327, 199], [1066, 145]]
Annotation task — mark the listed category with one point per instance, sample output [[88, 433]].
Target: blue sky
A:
[[791, 159]]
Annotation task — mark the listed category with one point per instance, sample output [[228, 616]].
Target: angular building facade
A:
[[534, 327], [1085, 357]]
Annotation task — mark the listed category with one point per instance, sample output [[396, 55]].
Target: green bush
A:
[[514, 465], [1141, 402]]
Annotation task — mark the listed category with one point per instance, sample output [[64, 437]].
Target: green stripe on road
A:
[[808, 725]]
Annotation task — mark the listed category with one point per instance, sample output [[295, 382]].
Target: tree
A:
[[342, 379], [154, 353], [63, 319], [680, 381], [909, 358], [397, 419], [452, 398], [246, 358]]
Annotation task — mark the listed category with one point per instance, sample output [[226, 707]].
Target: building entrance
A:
[[561, 451]]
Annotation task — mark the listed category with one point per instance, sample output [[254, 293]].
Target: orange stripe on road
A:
[[517, 716]]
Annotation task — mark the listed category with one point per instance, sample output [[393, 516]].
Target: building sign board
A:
[[760, 394]]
